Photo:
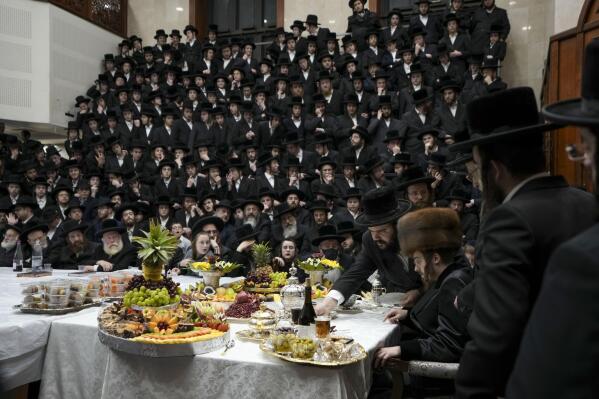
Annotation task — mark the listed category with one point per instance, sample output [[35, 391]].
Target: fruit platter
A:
[[244, 306], [58, 296], [263, 278], [328, 352], [154, 318]]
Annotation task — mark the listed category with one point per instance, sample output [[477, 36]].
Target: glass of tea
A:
[[323, 326]]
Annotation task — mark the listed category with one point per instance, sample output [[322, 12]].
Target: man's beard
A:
[[421, 205], [77, 247], [113, 249], [251, 220], [290, 231], [8, 245]]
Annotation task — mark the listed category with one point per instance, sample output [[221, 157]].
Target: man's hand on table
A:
[[395, 315], [106, 266], [326, 306]]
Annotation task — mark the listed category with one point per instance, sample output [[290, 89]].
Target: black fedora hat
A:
[[519, 116], [103, 202], [26, 201], [372, 163], [583, 111], [403, 158], [392, 135], [109, 225], [160, 33], [458, 194], [190, 28], [352, 192], [74, 204], [30, 227], [421, 96], [395, 11], [292, 137], [72, 225], [446, 82], [163, 200], [293, 190], [326, 190], [327, 232], [206, 220], [350, 3], [189, 192], [132, 206], [251, 201], [428, 130], [224, 204], [298, 24], [266, 191], [167, 162], [381, 207], [319, 205], [283, 209], [347, 227], [326, 161], [245, 232], [490, 62], [81, 99], [312, 19], [349, 160], [437, 159], [417, 31], [413, 175]]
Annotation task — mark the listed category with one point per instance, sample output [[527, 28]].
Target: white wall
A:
[[566, 14], [145, 17], [332, 14], [49, 56]]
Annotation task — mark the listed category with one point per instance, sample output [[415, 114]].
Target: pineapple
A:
[[157, 247], [262, 255]]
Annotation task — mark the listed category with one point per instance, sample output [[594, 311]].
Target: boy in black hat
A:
[[395, 32], [428, 23], [166, 185], [457, 43], [491, 79], [416, 76], [383, 123], [446, 68], [451, 109], [482, 19], [348, 120], [518, 235], [422, 115]]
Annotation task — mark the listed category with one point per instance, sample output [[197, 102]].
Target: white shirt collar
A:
[[517, 188]]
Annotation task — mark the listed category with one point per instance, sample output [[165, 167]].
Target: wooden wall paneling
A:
[[198, 15], [280, 13]]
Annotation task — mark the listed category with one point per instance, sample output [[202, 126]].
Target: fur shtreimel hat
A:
[[428, 229]]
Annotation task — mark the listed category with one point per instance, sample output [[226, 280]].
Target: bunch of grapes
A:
[[278, 280], [139, 281], [260, 278], [149, 297]]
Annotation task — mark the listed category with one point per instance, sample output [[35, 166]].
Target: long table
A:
[[72, 363]]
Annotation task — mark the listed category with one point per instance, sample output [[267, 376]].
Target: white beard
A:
[[114, 249], [8, 245], [252, 221], [290, 231]]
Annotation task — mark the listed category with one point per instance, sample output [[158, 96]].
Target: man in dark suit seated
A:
[[527, 214], [76, 249], [379, 253], [113, 253], [328, 243]]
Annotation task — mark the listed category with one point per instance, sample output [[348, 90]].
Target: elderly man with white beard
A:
[[114, 253], [286, 227], [8, 246], [252, 215]]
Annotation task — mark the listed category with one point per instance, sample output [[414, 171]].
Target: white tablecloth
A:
[[23, 337], [78, 365]]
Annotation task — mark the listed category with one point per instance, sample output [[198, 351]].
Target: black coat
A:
[[440, 328], [360, 25], [559, 350], [411, 118], [64, 258], [433, 27], [391, 268], [452, 124], [481, 26], [400, 34], [513, 248]]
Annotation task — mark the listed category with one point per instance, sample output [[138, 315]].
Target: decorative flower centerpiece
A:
[[213, 268], [316, 267]]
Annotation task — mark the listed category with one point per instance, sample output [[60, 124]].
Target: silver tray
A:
[[163, 350], [56, 311]]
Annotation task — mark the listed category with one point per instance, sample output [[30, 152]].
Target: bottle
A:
[[17, 260], [306, 321], [37, 258]]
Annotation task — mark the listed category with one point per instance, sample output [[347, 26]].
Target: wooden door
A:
[[562, 82]]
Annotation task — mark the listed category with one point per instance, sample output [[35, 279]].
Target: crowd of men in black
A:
[[315, 150]]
